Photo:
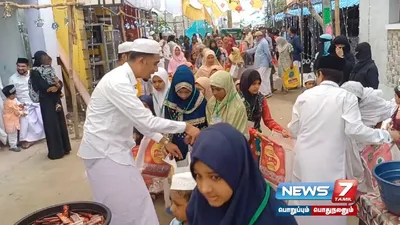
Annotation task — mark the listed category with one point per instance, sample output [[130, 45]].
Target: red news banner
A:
[[334, 210], [304, 210], [341, 191]]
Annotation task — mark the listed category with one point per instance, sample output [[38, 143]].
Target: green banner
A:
[[327, 16]]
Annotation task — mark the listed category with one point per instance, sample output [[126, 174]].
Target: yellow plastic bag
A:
[[291, 78]]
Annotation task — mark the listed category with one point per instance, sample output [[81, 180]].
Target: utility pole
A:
[[327, 15], [71, 42], [229, 18], [337, 18]]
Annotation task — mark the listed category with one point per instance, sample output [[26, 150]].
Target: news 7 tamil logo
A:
[[342, 191]]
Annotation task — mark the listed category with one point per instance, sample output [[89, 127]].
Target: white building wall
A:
[[375, 15], [11, 46]]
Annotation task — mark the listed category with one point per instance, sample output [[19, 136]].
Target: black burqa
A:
[[365, 71], [54, 124], [348, 56]]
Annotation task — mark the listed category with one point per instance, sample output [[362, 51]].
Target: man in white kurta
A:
[[32, 124], [323, 118], [107, 140]]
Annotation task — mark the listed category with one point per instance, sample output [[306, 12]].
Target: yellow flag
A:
[[257, 4]]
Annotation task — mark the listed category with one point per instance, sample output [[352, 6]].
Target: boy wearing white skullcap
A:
[[309, 81], [182, 186]]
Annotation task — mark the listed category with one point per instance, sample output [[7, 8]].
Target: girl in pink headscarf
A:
[[178, 58]]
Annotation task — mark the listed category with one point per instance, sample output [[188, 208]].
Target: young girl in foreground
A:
[[230, 188]]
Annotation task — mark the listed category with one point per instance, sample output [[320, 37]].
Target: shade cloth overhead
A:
[[318, 8], [198, 27]]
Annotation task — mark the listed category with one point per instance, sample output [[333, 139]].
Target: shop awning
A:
[[318, 8]]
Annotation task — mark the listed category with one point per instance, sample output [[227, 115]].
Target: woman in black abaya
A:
[[54, 123]]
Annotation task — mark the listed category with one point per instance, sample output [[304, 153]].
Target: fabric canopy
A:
[[198, 27]]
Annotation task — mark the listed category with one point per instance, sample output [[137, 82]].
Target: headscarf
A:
[[373, 108], [325, 41], [176, 60], [159, 96], [183, 78], [340, 40], [228, 44], [215, 49], [37, 57], [38, 70], [191, 110], [348, 56], [253, 102], [235, 56], [363, 56], [282, 45], [204, 82], [149, 101], [205, 70], [231, 109], [227, 153], [323, 47]]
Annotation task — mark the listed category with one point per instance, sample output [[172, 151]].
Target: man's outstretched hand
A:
[[192, 133], [173, 150]]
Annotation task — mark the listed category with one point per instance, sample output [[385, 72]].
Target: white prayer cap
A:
[[309, 77], [152, 33], [183, 182], [125, 47], [146, 46], [209, 35]]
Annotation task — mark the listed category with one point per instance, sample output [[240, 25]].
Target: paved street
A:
[[29, 181]]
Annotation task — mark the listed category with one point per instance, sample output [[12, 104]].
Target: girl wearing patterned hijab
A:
[[257, 105], [185, 103], [230, 188]]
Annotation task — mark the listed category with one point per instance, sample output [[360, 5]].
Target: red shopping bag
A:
[[153, 164], [376, 154], [135, 151], [272, 161]]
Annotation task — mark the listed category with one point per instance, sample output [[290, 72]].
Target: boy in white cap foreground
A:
[[309, 80], [182, 186], [113, 111]]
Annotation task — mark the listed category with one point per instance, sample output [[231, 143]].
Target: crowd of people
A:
[[206, 99], [32, 109], [178, 90]]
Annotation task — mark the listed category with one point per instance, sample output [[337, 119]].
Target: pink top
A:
[[176, 61], [11, 114]]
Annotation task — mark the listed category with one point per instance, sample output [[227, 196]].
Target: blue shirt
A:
[[262, 54], [297, 48]]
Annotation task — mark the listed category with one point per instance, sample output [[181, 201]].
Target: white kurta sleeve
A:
[[124, 97], [294, 125], [355, 129], [11, 80]]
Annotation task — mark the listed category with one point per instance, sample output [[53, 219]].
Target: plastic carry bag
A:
[[276, 159], [234, 71], [149, 159], [291, 77], [373, 155]]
